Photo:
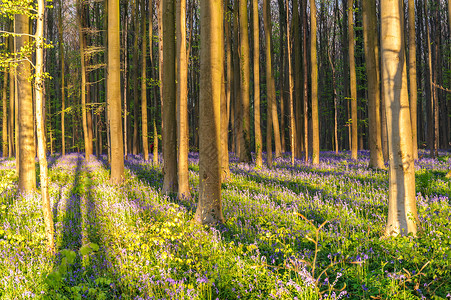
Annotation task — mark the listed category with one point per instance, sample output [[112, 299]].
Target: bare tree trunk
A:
[[258, 134], [314, 75], [272, 121], [402, 211], [169, 99], [245, 154], [144, 126], [353, 81], [372, 69], [26, 150], [226, 104], [5, 116], [290, 91], [114, 93], [237, 83], [136, 33], [413, 76], [305, 83], [182, 102], [209, 210], [39, 92], [126, 88], [298, 79], [63, 90]]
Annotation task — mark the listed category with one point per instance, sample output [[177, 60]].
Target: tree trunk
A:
[[225, 116], [5, 116], [182, 102], [136, 33], [402, 211], [372, 69], [305, 83], [209, 209], [258, 134], [39, 92], [26, 150], [298, 79], [413, 76], [63, 94], [314, 76], [292, 128], [353, 80], [114, 93], [245, 153], [144, 126], [169, 99]]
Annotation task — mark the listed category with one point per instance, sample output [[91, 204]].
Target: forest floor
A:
[[132, 242]]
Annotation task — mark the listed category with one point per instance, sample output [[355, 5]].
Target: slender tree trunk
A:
[[353, 80], [26, 151], [182, 102], [144, 126], [413, 76], [114, 93], [314, 76], [305, 83], [39, 92], [402, 211], [245, 154], [11, 125], [372, 69], [237, 82], [5, 116], [63, 90], [258, 134], [290, 91], [85, 115], [136, 33], [154, 110], [209, 210], [225, 105], [126, 88], [169, 99], [298, 79]]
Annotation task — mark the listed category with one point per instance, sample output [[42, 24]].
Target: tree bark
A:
[[372, 69], [26, 148], [402, 211], [314, 83], [226, 115], [413, 76], [39, 92], [209, 210], [245, 153], [114, 93], [292, 128], [169, 99], [144, 126], [63, 90], [305, 83], [182, 102], [258, 134], [298, 88], [353, 80], [136, 33], [5, 116]]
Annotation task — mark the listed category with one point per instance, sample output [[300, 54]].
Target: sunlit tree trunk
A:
[[305, 74], [298, 88], [182, 102], [63, 90], [292, 127], [245, 153], [225, 103], [169, 99], [413, 76], [114, 93], [209, 209], [26, 149], [258, 134], [84, 109], [5, 115], [144, 125], [11, 124], [314, 92], [372, 69], [353, 80], [402, 211], [136, 33], [236, 82], [39, 92]]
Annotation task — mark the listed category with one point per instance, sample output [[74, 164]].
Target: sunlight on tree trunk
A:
[[209, 209], [144, 125], [413, 76], [402, 211], [314, 76], [258, 134], [353, 80], [5, 115]]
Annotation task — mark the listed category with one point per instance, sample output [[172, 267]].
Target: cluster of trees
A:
[[187, 65]]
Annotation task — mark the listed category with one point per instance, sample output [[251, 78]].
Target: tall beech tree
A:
[[314, 84], [402, 211], [353, 79], [372, 64], [182, 101], [42, 153], [114, 93], [209, 209], [413, 76], [5, 115], [169, 98], [26, 147], [144, 126], [245, 153], [257, 129]]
